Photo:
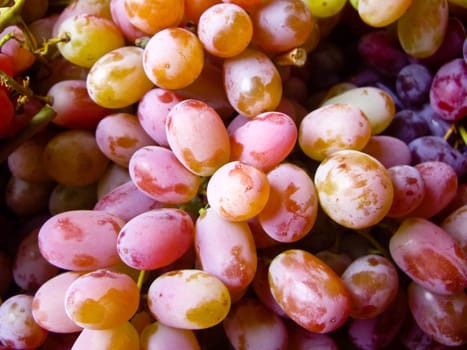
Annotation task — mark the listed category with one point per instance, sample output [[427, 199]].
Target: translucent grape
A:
[[325, 9], [252, 82], [68, 240], [354, 189], [226, 250], [456, 225], [114, 176], [155, 238], [389, 150], [159, 336], [194, 8], [238, 191], [121, 337], [117, 79], [22, 57], [429, 256], [264, 140], [173, 58], [331, 128], [225, 30], [188, 299], [382, 13], [309, 292], [197, 136], [48, 306], [121, 18], [292, 207], [158, 173], [422, 27], [101, 299]]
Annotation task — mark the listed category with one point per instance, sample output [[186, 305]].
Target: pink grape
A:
[[301, 339], [158, 173], [68, 240], [121, 18], [429, 256], [389, 150], [309, 291], [197, 136], [264, 140], [159, 336], [114, 176], [101, 299], [292, 207], [155, 238], [48, 306], [456, 225], [238, 191], [226, 250], [121, 337], [188, 299]]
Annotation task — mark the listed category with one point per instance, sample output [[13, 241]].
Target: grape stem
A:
[[141, 277], [295, 57], [42, 118], [11, 15], [365, 233]]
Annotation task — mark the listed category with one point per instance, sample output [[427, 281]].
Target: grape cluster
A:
[[233, 174]]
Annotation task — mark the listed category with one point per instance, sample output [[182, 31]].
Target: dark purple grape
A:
[[407, 125], [391, 92], [413, 84], [448, 94], [437, 125], [464, 50], [435, 148], [381, 51]]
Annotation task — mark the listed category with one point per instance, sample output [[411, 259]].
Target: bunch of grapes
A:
[[233, 174]]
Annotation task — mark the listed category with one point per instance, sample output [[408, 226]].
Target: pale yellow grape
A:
[[90, 38], [159, 336], [380, 13], [375, 103], [121, 337], [117, 79], [325, 8]]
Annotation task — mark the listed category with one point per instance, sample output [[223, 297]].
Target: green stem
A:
[[463, 133], [11, 15], [42, 118], [367, 235], [141, 277]]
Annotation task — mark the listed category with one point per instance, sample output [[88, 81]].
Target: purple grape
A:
[[464, 50], [407, 125], [413, 84], [435, 148], [437, 125]]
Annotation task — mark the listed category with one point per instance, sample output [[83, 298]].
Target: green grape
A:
[[325, 8]]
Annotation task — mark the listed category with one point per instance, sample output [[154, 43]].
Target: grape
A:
[[225, 30], [455, 224], [331, 128], [264, 140], [114, 176], [23, 58], [437, 125], [434, 148], [5, 273], [126, 201], [309, 292], [173, 58], [48, 305], [372, 281], [30, 269], [188, 299], [301, 339], [68, 240], [252, 82], [292, 207], [72, 157], [27, 198], [448, 96], [120, 337], [101, 299], [152, 111], [193, 9], [155, 238], [64, 198], [122, 20], [325, 9], [159, 336], [90, 38], [19, 330], [75, 108], [382, 13], [158, 173], [281, 25], [7, 114], [422, 28], [441, 185], [119, 135], [442, 317], [197, 136], [251, 325], [409, 190], [413, 84], [374, 102], [226, 250], [389, 150], [429, 256], [407, 126], [238, 191], [155, 15], [354, 189], [117, 79]]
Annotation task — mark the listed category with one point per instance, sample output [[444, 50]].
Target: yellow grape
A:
[[173, 58], [380, 13], [121, 337], [325, 8], [422, 28]]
